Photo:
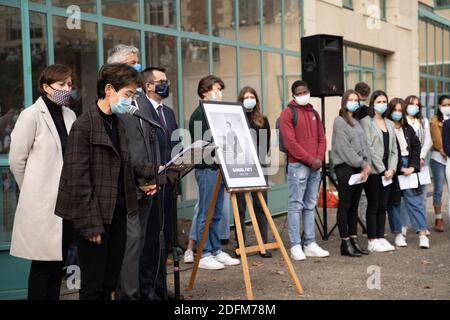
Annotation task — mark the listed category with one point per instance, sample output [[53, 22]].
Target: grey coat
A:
[[349, 144], [376, 145]]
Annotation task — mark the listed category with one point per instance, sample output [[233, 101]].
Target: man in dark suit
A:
[[153, 263]]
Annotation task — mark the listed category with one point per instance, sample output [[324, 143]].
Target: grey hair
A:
[[118, 53]]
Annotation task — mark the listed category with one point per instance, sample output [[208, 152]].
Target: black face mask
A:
[[162, 90]]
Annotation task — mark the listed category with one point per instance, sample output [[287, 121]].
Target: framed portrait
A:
[[236, 151]]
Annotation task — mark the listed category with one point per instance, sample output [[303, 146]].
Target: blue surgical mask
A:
[[380, 107], [122, 106], [137, 67], [396, 116], [412, 110], [162, 90], [249, 104], [352, 106]]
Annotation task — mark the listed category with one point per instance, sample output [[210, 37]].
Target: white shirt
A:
[[424, 133], [402, 141], [156, 105]]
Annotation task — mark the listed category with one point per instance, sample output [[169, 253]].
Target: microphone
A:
[[134, 111]]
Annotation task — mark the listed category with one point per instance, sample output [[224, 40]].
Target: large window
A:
[[364, 65], [434, 56]]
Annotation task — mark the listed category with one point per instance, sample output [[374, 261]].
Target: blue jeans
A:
[[438, 170], [303, 192], [224, 225], [412, 202], [206, 179]]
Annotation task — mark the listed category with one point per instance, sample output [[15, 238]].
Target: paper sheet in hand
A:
[[386, 181], [356, 179], [408, 182], [424, 176]]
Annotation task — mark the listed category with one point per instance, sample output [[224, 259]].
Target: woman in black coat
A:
[[409, 163]]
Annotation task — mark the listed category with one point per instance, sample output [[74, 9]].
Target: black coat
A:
[[89, 180], [414, 148]]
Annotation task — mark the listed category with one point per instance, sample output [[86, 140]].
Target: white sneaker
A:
[[313, 250], [376, 246], [209, 263], [400, 241], [386, 245], [424, 242], [188, 256], [427, 233], [297, 253], [226, 259], [404, 231]]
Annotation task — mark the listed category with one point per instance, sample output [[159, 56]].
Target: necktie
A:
[[161, 116]]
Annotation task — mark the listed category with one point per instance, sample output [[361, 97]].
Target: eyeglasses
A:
[[133, 96], [161, 82]]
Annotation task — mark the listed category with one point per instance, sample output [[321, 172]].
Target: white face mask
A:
[[445, 112], [303, 100]]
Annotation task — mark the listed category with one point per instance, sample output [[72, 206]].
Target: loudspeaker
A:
[[323, 64]]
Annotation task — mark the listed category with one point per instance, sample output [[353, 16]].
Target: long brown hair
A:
[[256, 116], [410, 100], [343, 112]]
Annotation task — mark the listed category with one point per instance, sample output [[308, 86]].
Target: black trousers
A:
[[152, 265], [100, 264], [44, 281], [377, 200], [349, 196], [259, 213]]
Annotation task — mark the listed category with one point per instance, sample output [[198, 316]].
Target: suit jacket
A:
[[376, 145], [142, 144], [165, 143], [36, 161], [88, 186]]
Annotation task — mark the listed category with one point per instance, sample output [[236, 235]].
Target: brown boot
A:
[[439, 224]]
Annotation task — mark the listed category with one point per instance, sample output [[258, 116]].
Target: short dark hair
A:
[[119, 75], [206, 83], [440, 101], [52, 74], [374, 97], [299, 83], [147, 74], [363, 89]]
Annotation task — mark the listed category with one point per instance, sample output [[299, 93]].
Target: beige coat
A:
[[36, 161]]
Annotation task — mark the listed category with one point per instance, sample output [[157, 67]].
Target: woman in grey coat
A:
[[350, 156]]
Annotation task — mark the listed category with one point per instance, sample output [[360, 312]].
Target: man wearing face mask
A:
[[152, 265], [306, 146], [122, 53], [97, 189]]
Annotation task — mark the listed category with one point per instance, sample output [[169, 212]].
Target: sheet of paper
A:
[[424, 176], [408, 182], [356, 179], [386, 182]]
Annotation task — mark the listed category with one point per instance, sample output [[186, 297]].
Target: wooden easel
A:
[[242, 251]]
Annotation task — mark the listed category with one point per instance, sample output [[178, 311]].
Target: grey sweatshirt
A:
[[349, 144]]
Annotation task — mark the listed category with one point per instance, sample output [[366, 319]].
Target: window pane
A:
[[353, 56], [351, 79], [38, 39], [194, 15], [422, 46], [11, 103], [431, 49], [77, 49], [293, 71], [250, 70], [272, 23], [380, 81], [124, 9], [115, 35], [367, 59], [223, 19], [195, 67], [84, 5], [367, 77], [249, 21], [292, 25], [447, 53], [160, 13], [380, 61], [439, 50], [225, 68], [161, 52]]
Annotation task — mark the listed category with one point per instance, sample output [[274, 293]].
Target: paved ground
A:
[[407, 273]]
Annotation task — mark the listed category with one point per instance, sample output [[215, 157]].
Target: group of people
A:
[[93, 181]]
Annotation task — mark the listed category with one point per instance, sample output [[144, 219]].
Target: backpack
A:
[[277, 126]]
